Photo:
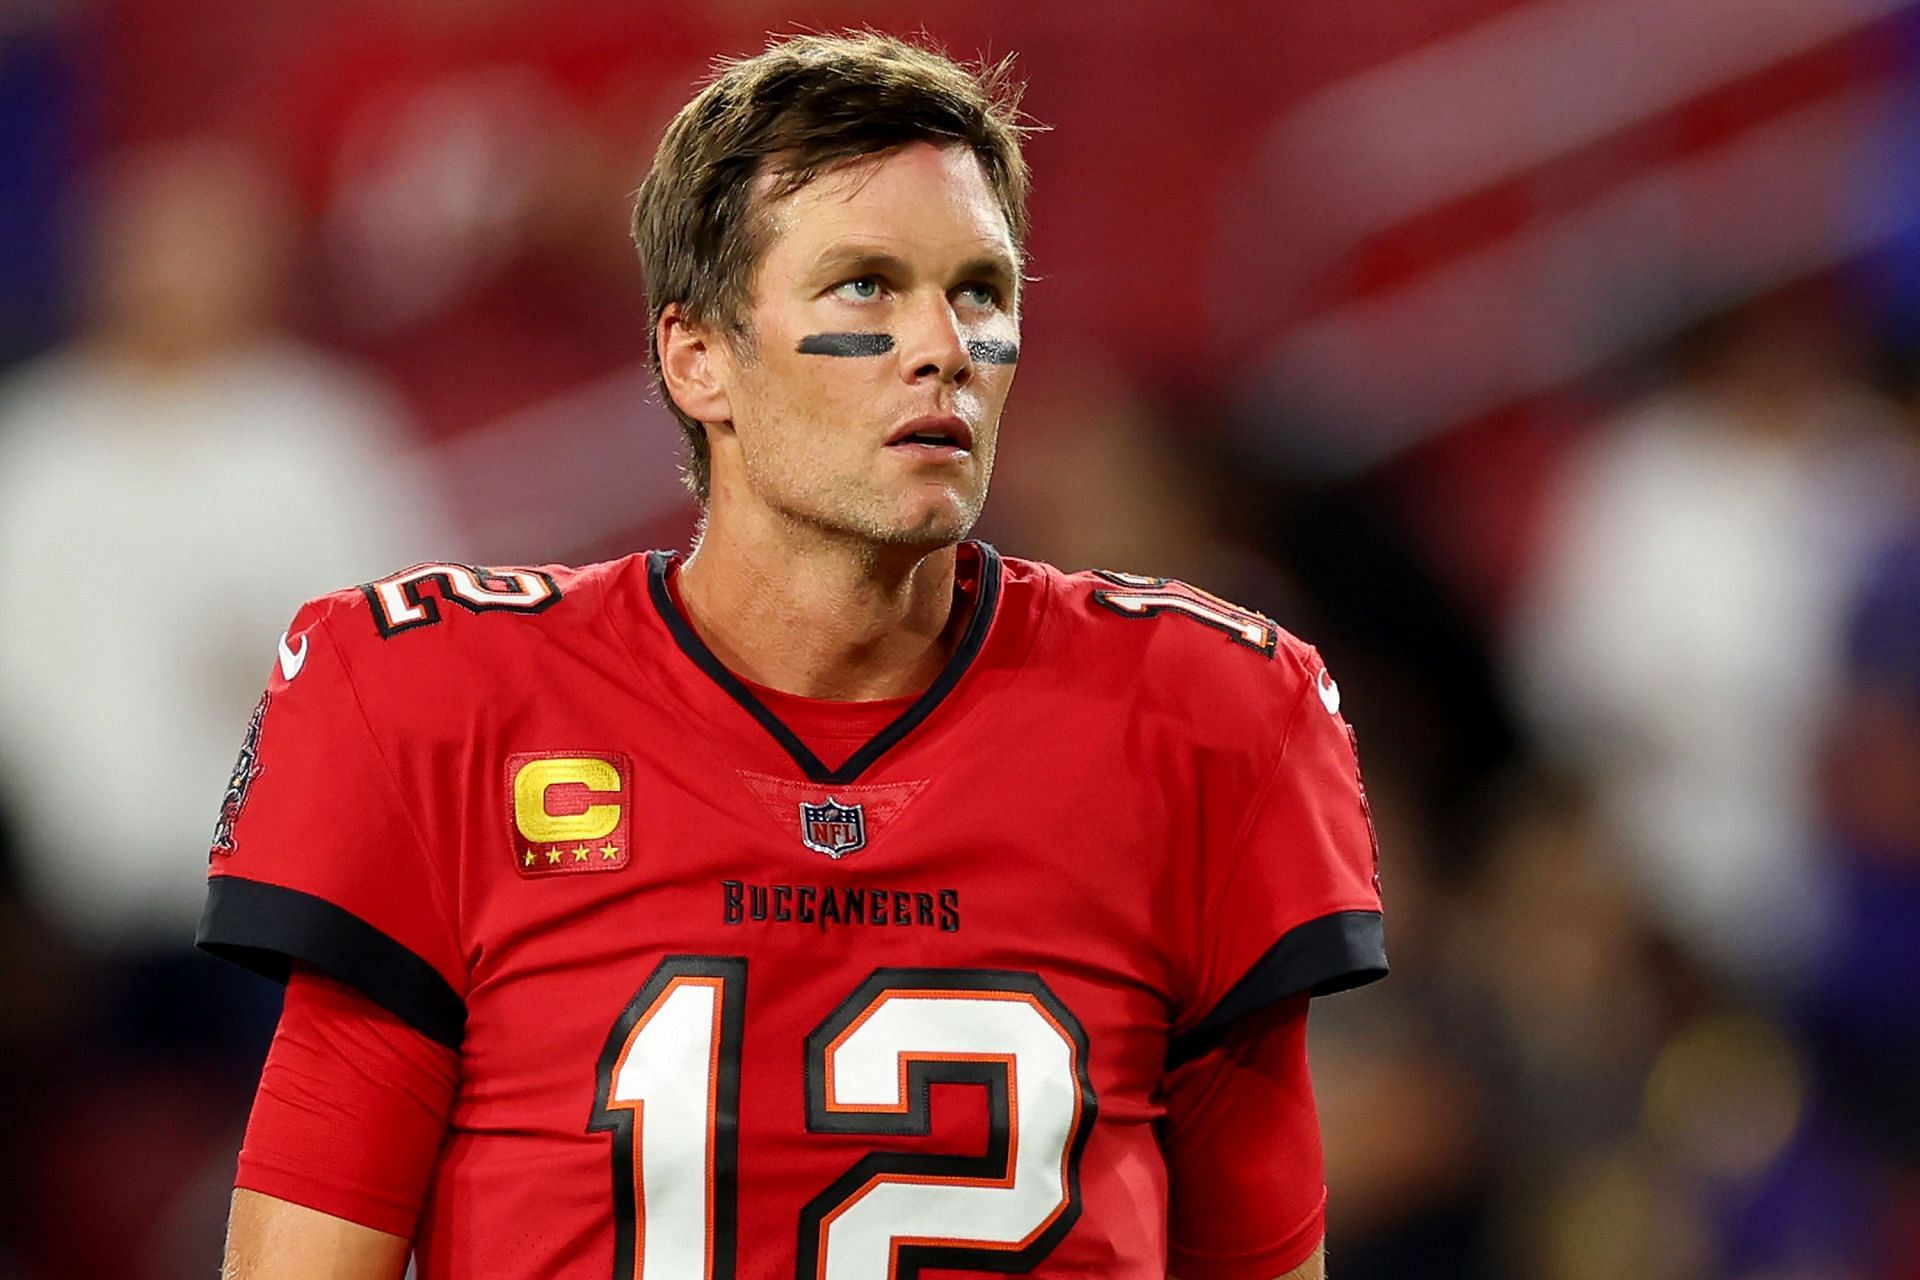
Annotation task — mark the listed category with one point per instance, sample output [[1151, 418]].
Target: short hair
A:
[[803, 106]]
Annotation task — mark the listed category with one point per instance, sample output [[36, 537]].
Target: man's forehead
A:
[[889, 202]]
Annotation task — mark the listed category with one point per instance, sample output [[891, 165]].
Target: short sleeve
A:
[[316, 856], [1295, 908]]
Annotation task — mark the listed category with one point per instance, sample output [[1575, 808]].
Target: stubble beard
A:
[[873, 518], [848, 509]]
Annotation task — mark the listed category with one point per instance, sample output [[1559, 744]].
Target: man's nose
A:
[[933, 344]]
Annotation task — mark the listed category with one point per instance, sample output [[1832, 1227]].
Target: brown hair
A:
[[807, 104]]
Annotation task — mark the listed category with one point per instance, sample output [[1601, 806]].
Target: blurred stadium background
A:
[[1550, 363]]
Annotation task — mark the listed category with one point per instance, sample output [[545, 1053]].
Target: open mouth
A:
[[943, 435]]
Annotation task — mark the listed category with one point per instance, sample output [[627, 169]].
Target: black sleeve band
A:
[[266, 927], [1332, 953]]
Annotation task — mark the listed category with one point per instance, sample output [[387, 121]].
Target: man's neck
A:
[[823, 617]]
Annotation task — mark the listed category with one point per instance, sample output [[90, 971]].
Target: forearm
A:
[[273, 1239], [1314, 1268]]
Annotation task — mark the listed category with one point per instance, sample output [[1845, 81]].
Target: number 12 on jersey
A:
[[669, 1091]]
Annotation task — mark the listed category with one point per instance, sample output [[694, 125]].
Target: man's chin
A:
[[931, 527], [930, 535], [924, 520]]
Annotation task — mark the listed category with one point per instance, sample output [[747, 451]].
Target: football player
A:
[[843, 899]]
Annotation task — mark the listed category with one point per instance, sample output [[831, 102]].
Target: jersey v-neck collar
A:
[[810, 764]]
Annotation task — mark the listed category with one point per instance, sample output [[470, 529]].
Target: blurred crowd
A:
[[1574, 412]]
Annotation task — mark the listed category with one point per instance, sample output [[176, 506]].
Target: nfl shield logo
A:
[[833, 828]]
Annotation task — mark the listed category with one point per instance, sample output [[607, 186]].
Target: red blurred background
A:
[[1549, 363]]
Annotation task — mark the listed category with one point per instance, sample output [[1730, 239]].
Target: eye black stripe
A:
[[845, 344]]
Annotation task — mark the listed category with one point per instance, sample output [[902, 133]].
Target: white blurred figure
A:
[[171, 487], [1683, 636]]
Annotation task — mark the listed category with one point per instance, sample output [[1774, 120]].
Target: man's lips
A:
[[944, 431]]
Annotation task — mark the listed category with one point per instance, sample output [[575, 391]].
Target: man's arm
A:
[[1242, 1141], [347, 1124], [1314, 1268], [273, 1239]]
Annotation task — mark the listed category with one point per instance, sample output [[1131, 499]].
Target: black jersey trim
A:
[[266, 927], [1330, 953], [816, 769]]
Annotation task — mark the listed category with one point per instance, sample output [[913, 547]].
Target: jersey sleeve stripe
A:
[[265, 927], [1327, 954]]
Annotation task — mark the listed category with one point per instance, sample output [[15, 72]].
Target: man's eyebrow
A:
[[857, 260], [995, 267]]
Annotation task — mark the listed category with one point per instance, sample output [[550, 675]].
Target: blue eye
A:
[[864, 289], [980, 294]]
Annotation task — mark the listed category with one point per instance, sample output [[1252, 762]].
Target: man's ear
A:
[[693, 363]]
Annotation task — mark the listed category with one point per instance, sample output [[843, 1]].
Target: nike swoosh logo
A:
[[1329, 692], [291, 660]]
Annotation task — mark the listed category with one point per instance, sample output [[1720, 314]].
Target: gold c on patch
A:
[[569, 811]]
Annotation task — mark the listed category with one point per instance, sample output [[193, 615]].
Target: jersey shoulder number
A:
[[1134, 595], [411, 598]]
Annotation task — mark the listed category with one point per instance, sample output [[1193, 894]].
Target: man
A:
[[843, 900]]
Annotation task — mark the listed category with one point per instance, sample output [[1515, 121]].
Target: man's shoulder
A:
[[1171, 644], [450, 624]]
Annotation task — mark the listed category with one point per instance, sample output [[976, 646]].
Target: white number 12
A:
[[669, 1091]]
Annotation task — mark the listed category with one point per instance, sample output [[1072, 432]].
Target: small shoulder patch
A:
[[400, 601], [1134, 595]]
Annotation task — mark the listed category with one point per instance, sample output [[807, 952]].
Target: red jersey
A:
[[733, 997]]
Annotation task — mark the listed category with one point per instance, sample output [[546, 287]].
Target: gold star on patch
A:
[[529, 857], [580, 853], [553, 856], [610, 851]]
